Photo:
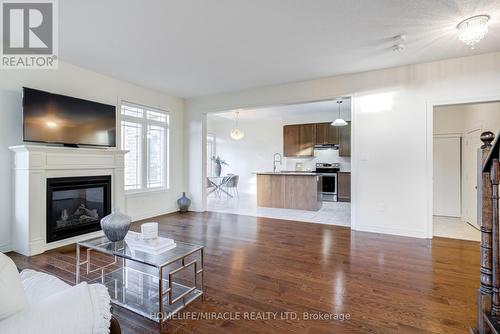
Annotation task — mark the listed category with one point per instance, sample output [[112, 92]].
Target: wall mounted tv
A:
[[59, 119]]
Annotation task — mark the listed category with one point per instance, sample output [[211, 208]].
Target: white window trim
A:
[[144, 122]]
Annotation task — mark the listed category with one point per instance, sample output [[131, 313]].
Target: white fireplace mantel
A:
[[33, 165]]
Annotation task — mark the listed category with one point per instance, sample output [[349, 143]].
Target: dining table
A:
[[216, 185]]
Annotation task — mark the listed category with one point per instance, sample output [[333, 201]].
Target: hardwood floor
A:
[[387, 284]]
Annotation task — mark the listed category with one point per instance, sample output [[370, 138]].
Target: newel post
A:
[[485, 217]]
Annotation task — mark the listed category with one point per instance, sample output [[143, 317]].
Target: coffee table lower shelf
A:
[[139, 292]]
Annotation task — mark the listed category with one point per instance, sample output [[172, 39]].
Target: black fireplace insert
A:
[[75, 205]]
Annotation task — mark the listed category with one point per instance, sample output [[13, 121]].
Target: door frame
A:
[[429, 145]]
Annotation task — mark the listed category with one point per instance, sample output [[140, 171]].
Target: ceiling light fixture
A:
[[236, 133], [399, 43], [339, 121], [472, 30], [398, 47]]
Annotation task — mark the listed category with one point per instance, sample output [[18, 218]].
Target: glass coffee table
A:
[[153, 285]]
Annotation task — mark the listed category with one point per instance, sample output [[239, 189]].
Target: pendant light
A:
[[236, 133], [339, 121]]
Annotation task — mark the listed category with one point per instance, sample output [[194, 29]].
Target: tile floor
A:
[[451, 227], [332, 213]]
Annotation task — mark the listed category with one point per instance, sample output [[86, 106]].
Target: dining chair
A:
[[232, 185], [211, 187]]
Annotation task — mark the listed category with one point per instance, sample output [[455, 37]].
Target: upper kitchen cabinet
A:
[[291, 140], [326, 134], [345, 140], [298, 140]]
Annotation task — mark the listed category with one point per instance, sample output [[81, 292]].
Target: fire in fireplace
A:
[[75, 205]]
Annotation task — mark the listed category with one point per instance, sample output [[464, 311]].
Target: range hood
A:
[[326, 146]]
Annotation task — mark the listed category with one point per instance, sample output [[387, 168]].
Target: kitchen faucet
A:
[[276, 160]]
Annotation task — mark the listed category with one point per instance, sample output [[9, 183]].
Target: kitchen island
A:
[[289, 190]]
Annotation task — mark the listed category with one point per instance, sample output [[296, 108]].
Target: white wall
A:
[[9, 135], [263, 138], [463, 117], [392, 132], [253, 153], [78, 82], [448, 120]]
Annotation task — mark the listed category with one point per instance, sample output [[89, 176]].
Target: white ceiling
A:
[[193, 48], [301, 109]]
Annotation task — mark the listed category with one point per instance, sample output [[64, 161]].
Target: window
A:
[[210, 154], [144, 133]]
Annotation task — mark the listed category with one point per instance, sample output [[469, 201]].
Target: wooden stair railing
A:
[[488, 295]]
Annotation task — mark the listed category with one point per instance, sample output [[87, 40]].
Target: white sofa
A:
[[34, 302]]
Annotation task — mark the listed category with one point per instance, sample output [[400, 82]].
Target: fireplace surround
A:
[[36, 168]]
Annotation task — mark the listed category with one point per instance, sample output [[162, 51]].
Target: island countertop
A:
[[288, 173], [289, 190]]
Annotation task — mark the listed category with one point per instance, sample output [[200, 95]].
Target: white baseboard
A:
[[39, 246], [392, 231], [4, 248], [196, 208]]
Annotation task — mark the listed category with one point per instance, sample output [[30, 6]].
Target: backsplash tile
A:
[[325, 156]]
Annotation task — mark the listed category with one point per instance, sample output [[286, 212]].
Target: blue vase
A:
[[184, 203]]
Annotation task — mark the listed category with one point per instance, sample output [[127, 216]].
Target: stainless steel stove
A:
[[329, 173]]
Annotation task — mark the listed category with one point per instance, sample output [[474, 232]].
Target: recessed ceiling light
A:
[[398, 47], [400, 38], [473, 30], [399, 43]]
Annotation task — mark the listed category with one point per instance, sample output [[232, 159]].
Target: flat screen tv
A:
[[59, 119]]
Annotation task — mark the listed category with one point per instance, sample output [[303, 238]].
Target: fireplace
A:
[[75, 205]]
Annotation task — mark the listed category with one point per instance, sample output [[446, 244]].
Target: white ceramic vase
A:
[[115, 225]]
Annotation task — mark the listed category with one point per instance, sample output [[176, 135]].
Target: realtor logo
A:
[[29, 34]]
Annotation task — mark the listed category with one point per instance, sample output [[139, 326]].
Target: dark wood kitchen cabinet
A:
[[290, 140], [326, 134], [345, 140], [344, 186], [298, 140]]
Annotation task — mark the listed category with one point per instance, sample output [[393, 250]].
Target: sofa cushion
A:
[[38, 286], [12, 296], [71, 311]]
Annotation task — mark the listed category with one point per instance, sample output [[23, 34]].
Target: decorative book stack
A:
[[149, 231], [151, 246]]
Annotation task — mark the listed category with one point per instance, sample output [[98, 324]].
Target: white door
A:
[[447, 176], [471, 146]]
